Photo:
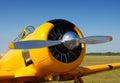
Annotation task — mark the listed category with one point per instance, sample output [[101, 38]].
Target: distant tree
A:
[[105, 54]]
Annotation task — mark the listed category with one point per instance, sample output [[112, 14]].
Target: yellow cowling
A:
[[44, 59]]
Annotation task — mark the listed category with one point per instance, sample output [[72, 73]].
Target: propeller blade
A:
[[33, 44], [95, 39], [70, 44]]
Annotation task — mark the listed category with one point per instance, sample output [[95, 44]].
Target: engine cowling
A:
[[56, 58]]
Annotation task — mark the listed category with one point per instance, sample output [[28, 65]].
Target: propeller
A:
[[69, 39]]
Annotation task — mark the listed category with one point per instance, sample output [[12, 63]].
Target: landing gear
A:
[[78, 80]]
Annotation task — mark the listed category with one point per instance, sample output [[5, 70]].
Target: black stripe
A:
[[110, 67]]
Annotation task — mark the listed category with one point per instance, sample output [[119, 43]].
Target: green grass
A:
[[112, 76]]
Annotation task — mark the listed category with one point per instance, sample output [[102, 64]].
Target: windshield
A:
[[26, 31]]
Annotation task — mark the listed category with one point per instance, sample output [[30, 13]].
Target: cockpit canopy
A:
[[26, 31]]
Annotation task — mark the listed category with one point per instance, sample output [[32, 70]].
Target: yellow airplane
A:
[[53, 51]]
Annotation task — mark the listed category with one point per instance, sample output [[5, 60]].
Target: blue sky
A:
[[93, 17]]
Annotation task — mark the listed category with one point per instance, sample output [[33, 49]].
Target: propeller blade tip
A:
[[11, 45], [110, 38]]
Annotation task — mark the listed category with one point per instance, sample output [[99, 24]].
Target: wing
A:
[[6, 74], [25, 73], [87, 70], [28, 71]]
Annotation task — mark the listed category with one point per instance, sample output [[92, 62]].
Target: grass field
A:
[[112, 76], [104, 77]]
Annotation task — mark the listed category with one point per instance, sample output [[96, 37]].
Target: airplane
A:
[[53, 51]]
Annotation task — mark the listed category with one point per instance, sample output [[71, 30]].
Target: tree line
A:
[[105, 54]]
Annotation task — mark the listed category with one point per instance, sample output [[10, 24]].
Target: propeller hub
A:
[[70, 40]]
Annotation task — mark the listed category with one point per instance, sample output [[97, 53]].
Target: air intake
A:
[[60, 52]]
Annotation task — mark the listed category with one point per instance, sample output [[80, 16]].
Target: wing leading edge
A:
[[87, 70], [26, 73], [6, 75]]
